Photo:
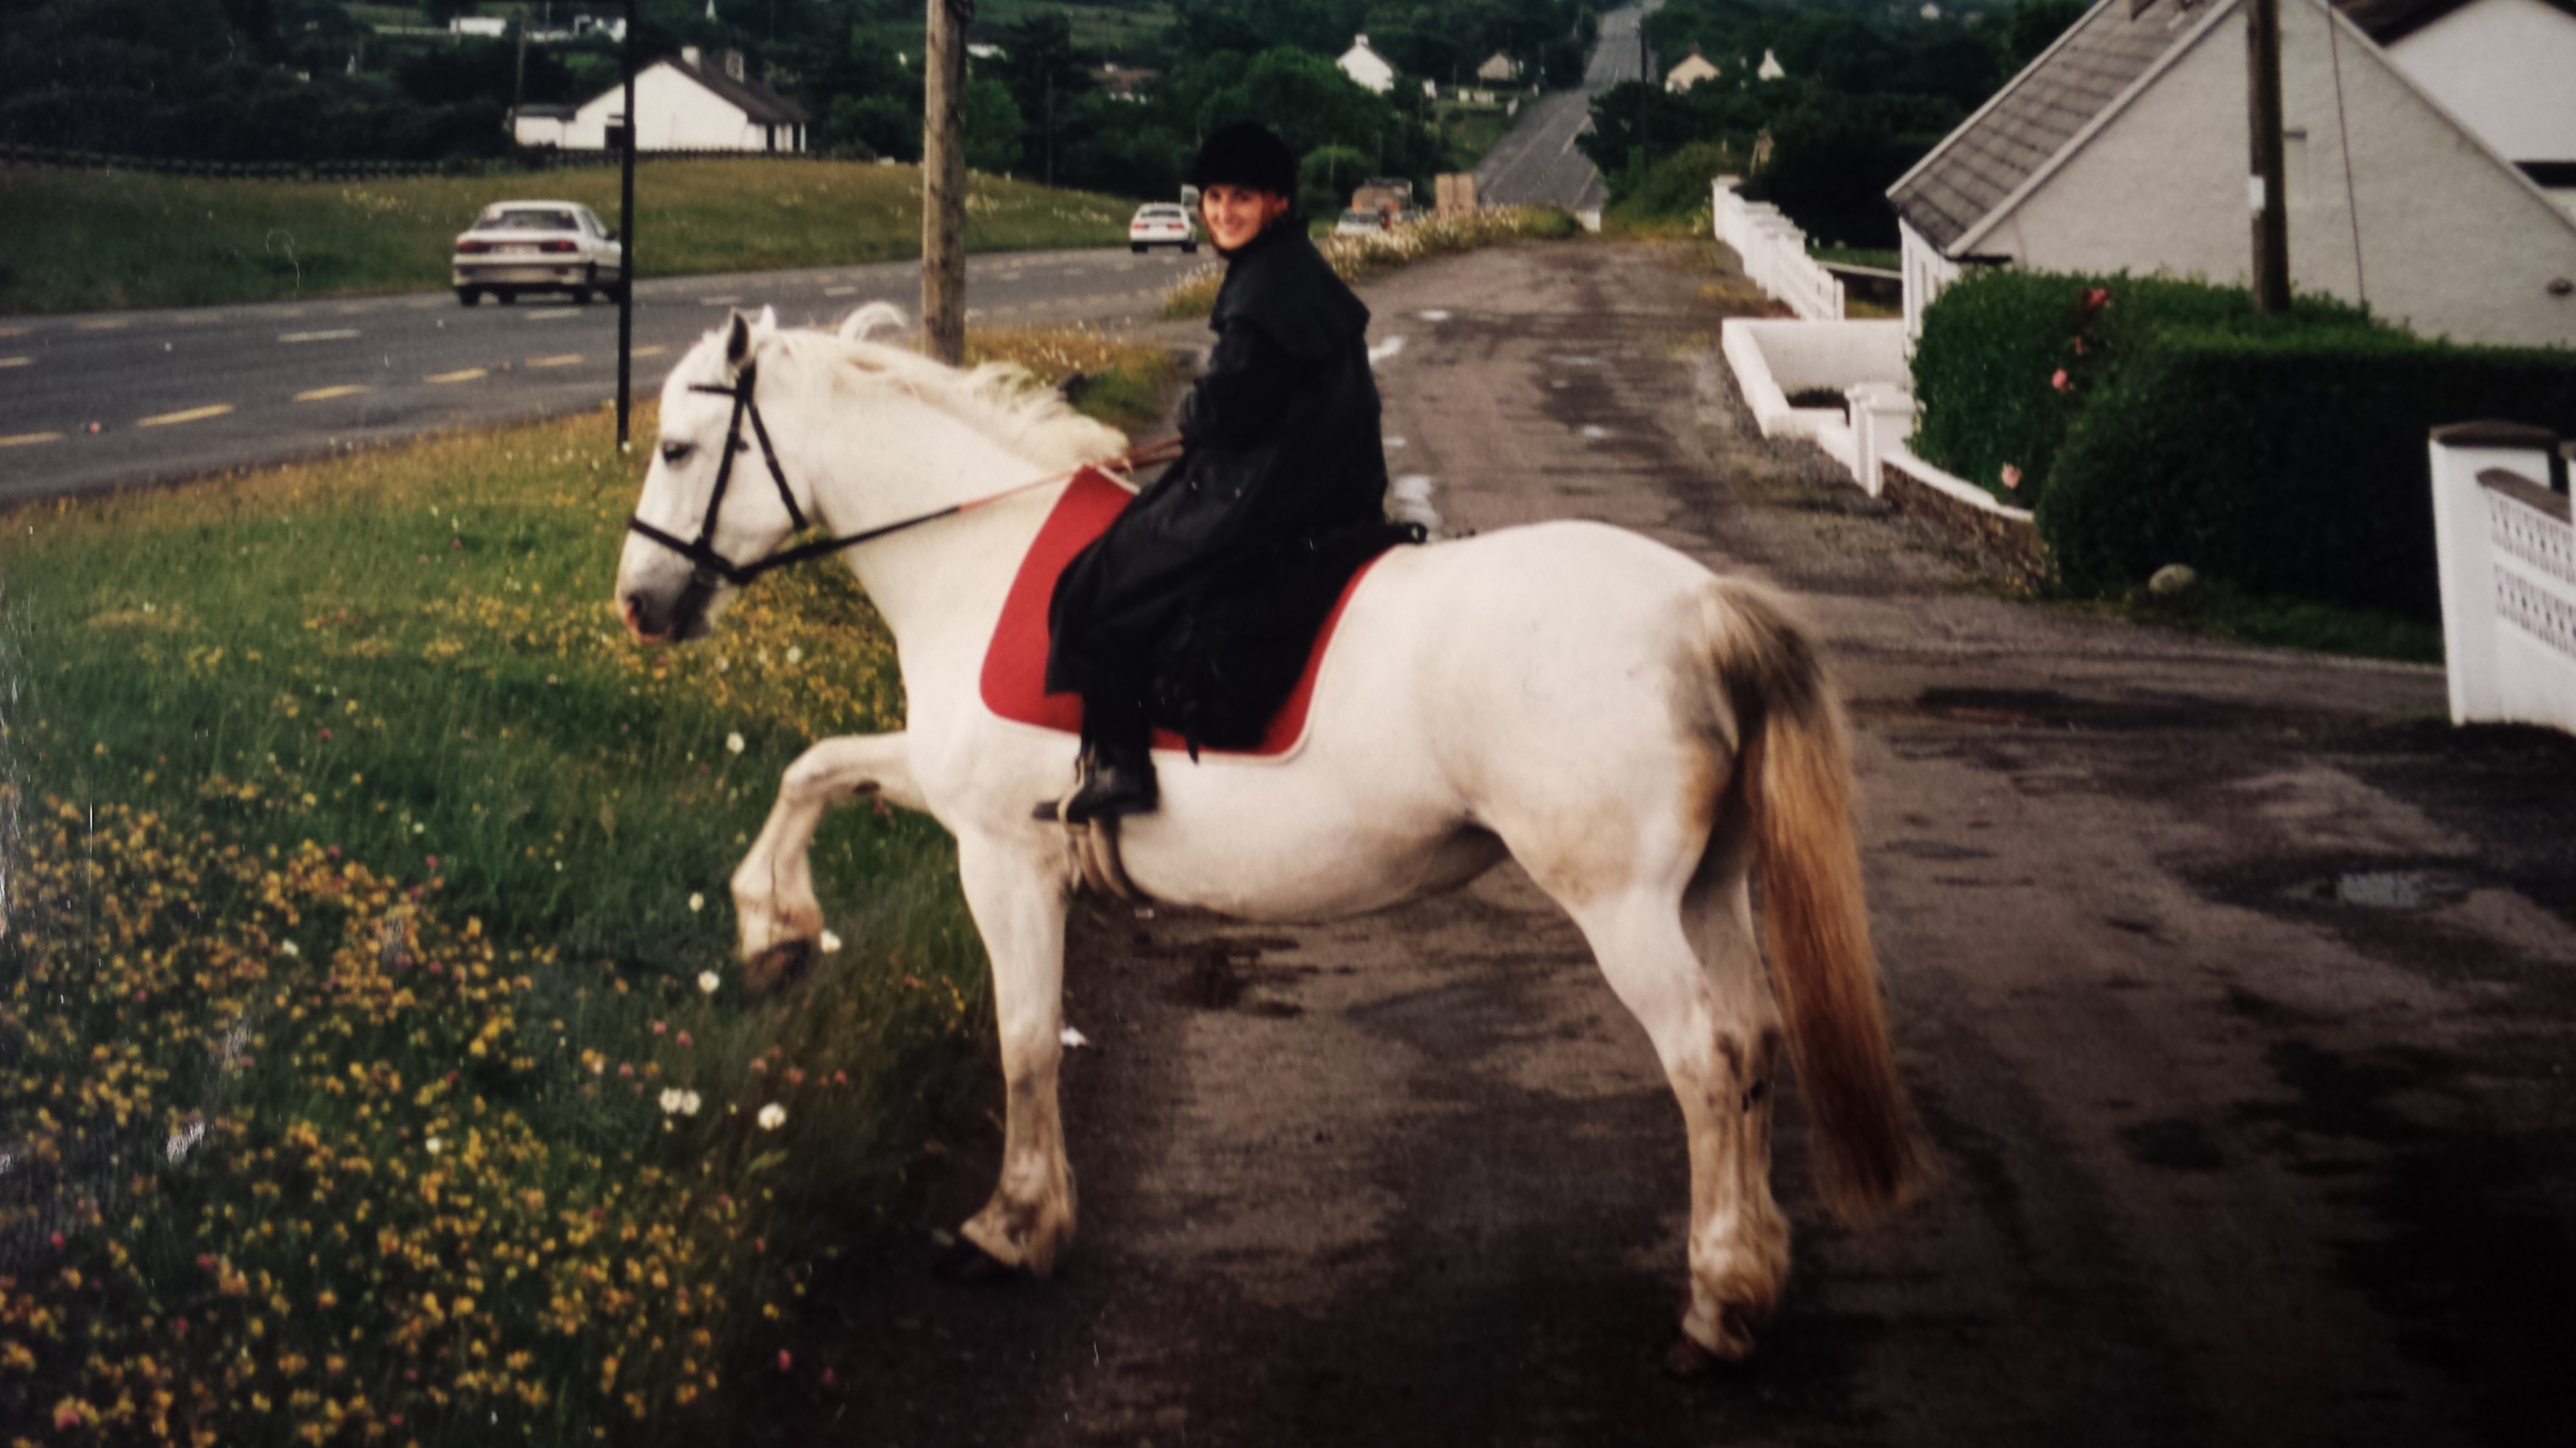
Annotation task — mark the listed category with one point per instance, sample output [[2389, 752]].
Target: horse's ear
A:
[[737, 341], [766, 322]]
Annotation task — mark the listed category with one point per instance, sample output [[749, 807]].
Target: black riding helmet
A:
[[1246, 154]]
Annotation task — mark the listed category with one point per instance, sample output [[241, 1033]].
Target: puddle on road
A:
[[2387, 890]]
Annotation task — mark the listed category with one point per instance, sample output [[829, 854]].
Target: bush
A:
[[2008, 358], [2286, 462]]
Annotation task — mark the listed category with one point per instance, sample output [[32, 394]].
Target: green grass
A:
[[86, 240], [2217, 610], [353, 852], [1471, 131]]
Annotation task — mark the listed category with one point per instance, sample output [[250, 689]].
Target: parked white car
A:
[[1160, 223], [1359, 223], [538, 246]]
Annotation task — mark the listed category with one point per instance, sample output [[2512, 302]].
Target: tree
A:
[[993, 126]]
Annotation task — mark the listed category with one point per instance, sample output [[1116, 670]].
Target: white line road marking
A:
[[352, 311], [17, 361], [840, 291], [325, 394], [201, 321], [719, 301], [108, 324], [550, 313], [193, 414], [1386, 351], [24, 438], [569, 359], [336, 334], [466, 374], [425, 303], [648, 351], [1434, 315]]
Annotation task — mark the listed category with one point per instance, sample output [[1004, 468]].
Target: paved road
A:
[[2236, 989], [1537, 163], [120, 398]]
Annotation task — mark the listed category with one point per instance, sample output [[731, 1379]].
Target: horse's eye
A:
[[676, 453]]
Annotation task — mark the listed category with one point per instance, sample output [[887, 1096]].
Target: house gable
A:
[[2421, 220]]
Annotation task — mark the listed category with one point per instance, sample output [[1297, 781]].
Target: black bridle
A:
[[702, 549], [713, 565]]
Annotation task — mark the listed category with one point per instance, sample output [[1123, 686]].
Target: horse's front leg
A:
[[1016, 887], [773, 888]]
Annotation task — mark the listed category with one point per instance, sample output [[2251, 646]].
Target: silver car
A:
[[1160, 223], [538, 246]]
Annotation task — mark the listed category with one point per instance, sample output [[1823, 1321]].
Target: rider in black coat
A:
[[1280, 442]]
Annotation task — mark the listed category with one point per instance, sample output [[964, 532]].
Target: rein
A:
[[702, 550]]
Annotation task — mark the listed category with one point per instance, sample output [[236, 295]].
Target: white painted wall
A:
[[1926, 272], [2507, 69], [2450, 241], [678, 115], [2508, 589]]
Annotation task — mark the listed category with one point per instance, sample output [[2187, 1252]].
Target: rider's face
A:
[[1236, 214]]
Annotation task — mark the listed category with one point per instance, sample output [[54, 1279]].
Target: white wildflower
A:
[[733, 743], [433, 1144], [707, 981], [697, 902], [772, 1116], [670, 1100], [288, 947], [689, 1103], [831, 942], [795, 655]]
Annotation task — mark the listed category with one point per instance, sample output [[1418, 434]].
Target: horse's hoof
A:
[[780, 965], [963, 1261]]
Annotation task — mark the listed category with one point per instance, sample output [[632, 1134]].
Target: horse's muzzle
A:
[[674, 618]]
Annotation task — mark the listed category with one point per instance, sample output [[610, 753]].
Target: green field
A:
[[87, 240], [1471, 131], [377, 1066]]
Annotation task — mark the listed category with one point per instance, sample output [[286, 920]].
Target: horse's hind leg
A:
[[1709, 1012], [1017, 895], [773, 888]]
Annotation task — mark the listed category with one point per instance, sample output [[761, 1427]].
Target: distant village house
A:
[[681, 104], [1499, 69], [1689, 73], [1366, 66]]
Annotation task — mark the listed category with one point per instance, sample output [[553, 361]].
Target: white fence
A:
[[2508, 565], [1775, 254]]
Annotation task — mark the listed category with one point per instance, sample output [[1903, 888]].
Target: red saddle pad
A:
[[1014, 680]]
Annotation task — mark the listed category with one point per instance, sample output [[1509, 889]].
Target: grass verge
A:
[[2218, 610], [89, 240], [1356, 257], [372, 1063]]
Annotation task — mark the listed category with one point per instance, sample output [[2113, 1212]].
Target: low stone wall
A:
[[2005, 538]]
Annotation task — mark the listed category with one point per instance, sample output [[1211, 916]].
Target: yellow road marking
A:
[[464, 375], [569, 359], [16, 361], [24, 438], [325, 394], [109, 324], [193, 414], [650, 351]]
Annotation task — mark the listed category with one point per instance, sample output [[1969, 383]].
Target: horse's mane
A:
[[999, 399]]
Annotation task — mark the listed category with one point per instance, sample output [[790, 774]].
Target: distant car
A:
[[1359, 223], [1160, 223], [516, 247]]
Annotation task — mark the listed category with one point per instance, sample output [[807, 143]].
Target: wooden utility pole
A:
[[2265, 189], [943, 181], [626, 235]]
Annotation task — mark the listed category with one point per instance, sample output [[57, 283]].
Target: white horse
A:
[[1636, 732]]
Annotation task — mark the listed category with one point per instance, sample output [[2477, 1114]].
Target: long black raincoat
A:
[[1281, 451]]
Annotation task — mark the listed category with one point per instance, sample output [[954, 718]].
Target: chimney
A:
[[689, 56], [733, 64]]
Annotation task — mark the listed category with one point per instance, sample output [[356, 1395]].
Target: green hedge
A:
[[2292, 462], [2008, 359]]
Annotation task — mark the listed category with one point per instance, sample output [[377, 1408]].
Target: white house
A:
[[1770, 68], [1689, 73], [1366, 66], [681, 104], [1499, 69], [2505, 68], [2124, 147]]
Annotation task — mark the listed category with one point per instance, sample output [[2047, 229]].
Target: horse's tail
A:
[[1794, 766]]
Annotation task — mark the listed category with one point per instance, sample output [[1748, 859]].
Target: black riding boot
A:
[[1117, 761]]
